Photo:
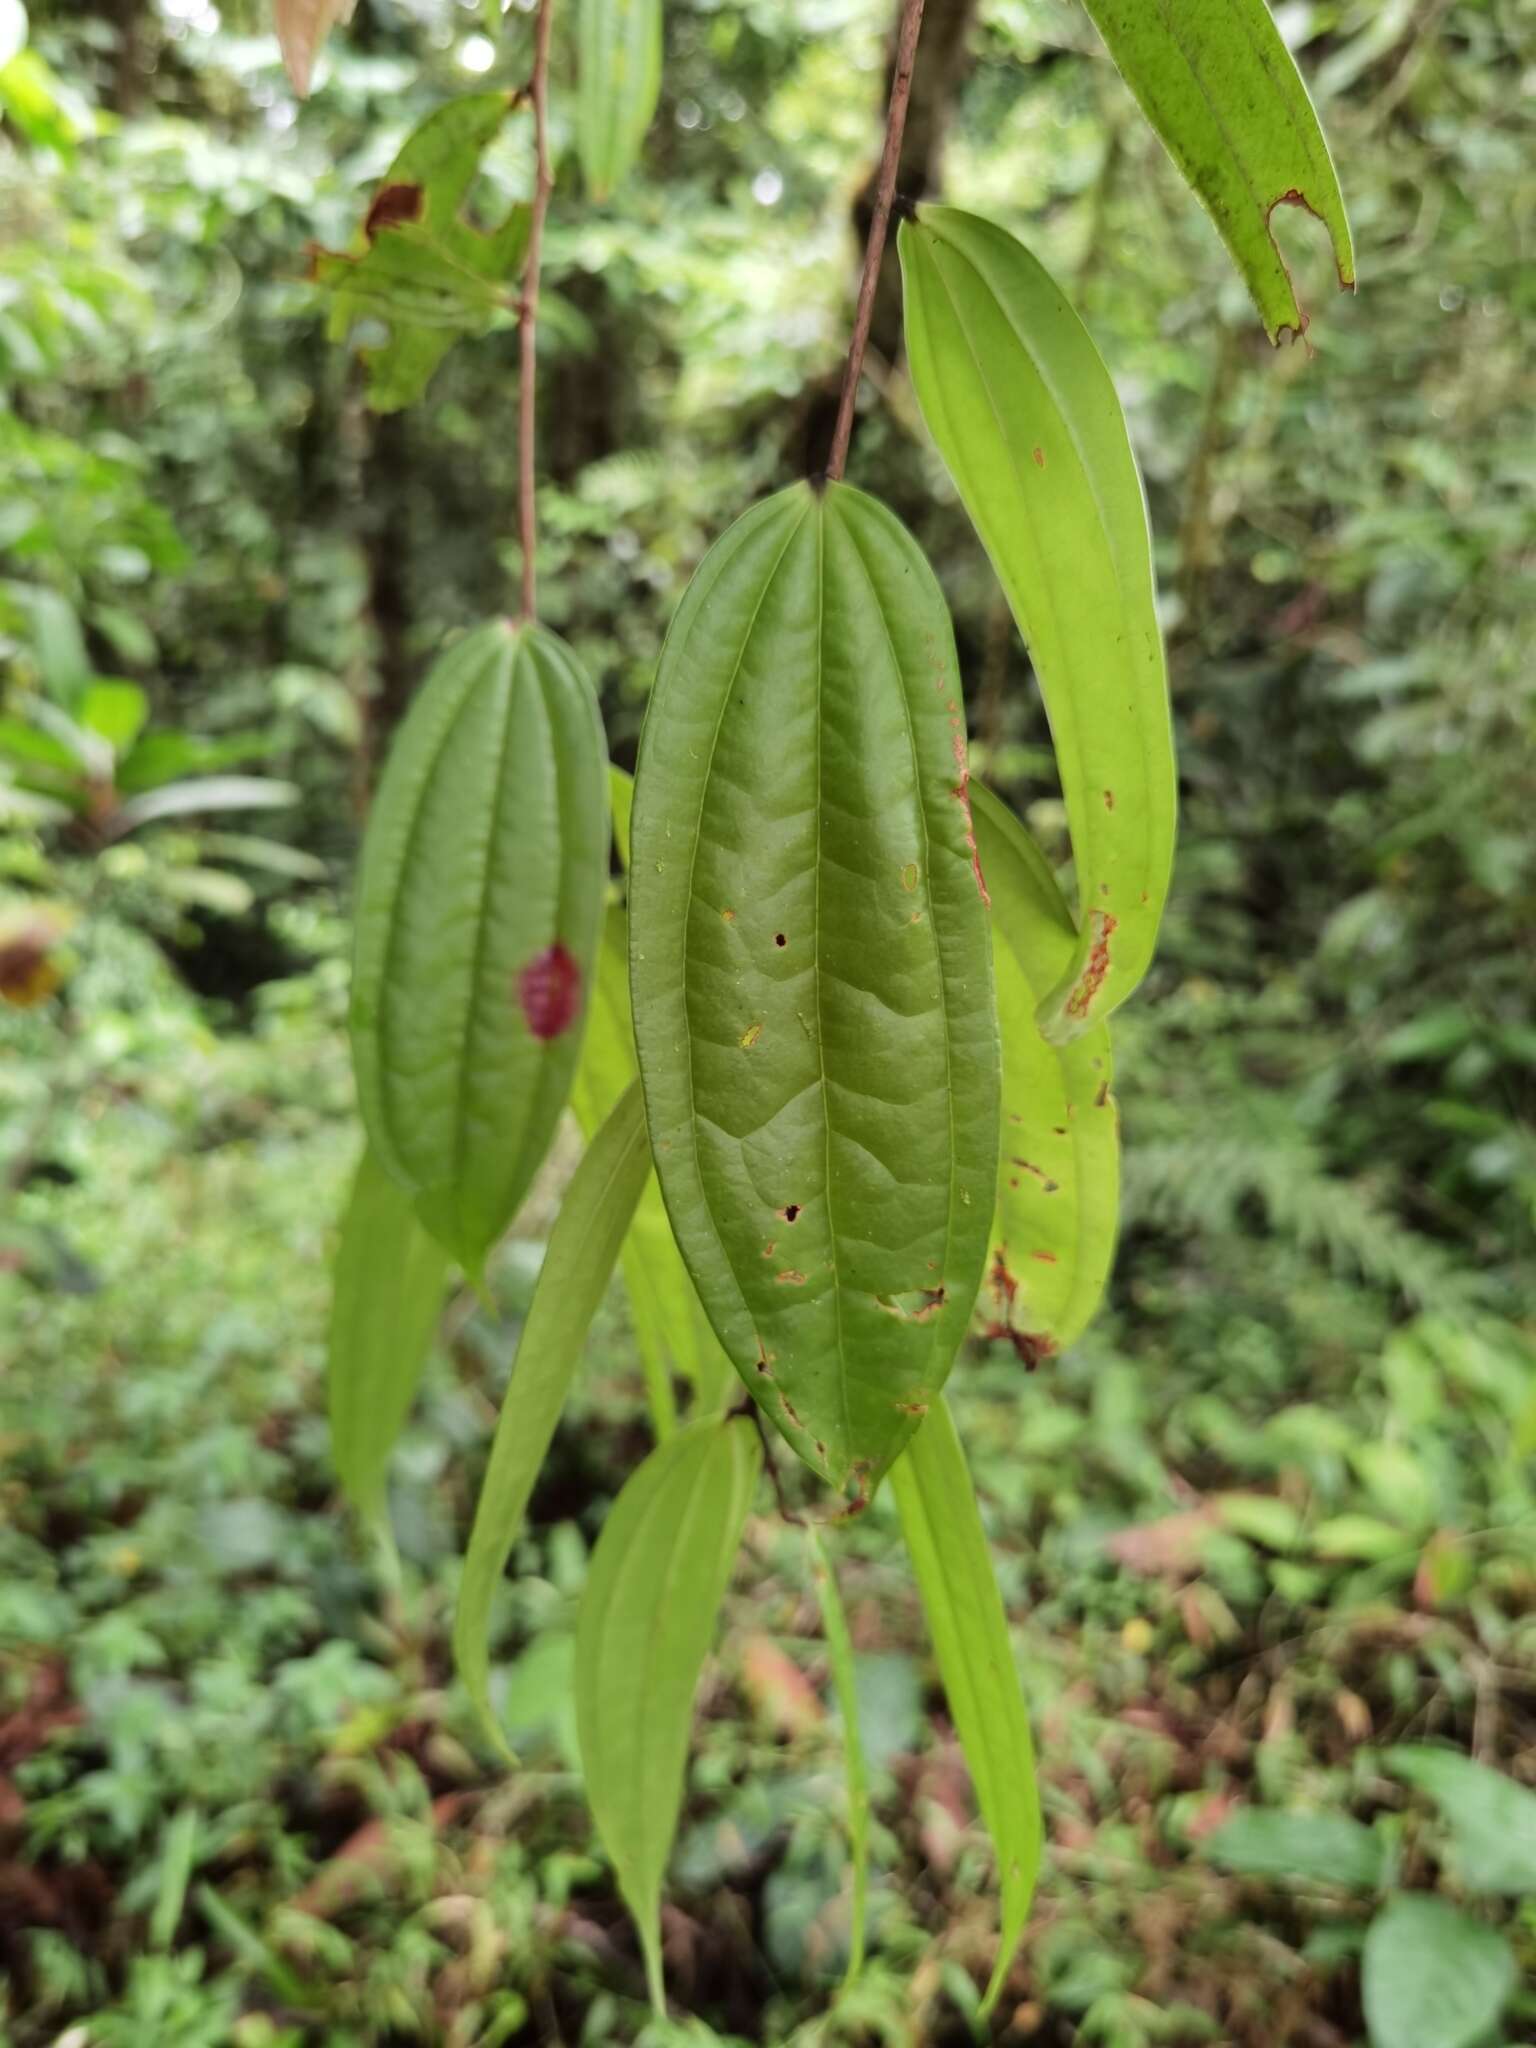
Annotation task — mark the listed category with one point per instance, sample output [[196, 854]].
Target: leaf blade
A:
[[578, 1263], [797, 815], [834, 1626], [658, 1575], [619, 82], [969, 1628], [1432, 1977], [1025, 415], [1223, 93]]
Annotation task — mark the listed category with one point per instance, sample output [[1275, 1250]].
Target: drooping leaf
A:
[[1216, 81], [480, 901], [417, 263], [647, 1616], [811, 972], [1318, 1848], [672, 1331], [618, 63], [1058, 1171], [199, 793], [1490, 1819], [386, 1293], [834, 1626], [578, 1264], [302, 27], [942, 1526], [1025, 415], [1432, 1977]]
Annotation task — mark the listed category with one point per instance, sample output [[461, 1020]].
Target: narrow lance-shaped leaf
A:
[[618, 64], [811, 972], [1216, 81], [387, 1292], [648, 1612], [943, 1529], [1058, 1171], [671, 1329], [479, 907], [302, 27], [834, 1625], [1026, 418], [417, 263], [578, 1263]]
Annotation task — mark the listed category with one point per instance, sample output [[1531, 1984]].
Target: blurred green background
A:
[[1274, 1519]]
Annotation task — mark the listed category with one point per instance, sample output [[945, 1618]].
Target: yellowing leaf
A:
[[387, 1291], [811, 972], [1025, 415], [647, 1616], [965, 1614], [1218, 84], [302, 27], [1058, 1169], [578, 1264]]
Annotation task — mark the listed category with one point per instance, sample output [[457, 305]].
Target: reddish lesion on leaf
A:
[[1091, 980], [393, 206], [549, 992]]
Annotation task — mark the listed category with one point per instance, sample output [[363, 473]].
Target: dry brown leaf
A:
[[302, 27]]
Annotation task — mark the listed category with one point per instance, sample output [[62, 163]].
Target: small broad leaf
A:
[[302, 27], [1490, 1819], [1025, 415], [1319, 1848], [834, 1626], [940, 1521], [1218, 84], [479, 906], [1058, 1173], [672, 1331], [417, 263], [811, 972], [1432, 1977], [116, 711], [579, 1261], [387, 1291], [648, 1612], [618, 63]]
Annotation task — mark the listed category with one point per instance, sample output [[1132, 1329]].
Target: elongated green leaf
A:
[[1490, 1820], [579, 1261], [834, 1624], [417, 263], [1058, 1174], [479, 907], [647, 1615], [618, 61], [1432, 1977], [965, 1614], [671, 1328], [1218, 84], [819, 1048], [387, 1291], [1026, 418]]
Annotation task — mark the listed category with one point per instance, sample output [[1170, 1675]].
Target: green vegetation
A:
[[1265, 1533]]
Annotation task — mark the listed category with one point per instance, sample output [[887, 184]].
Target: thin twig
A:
[[528, 310], [880, 220]]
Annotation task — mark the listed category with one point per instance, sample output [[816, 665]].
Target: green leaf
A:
[[1432, 1977], [1218, 84], [1490, 1819], [811, 972], [1318, 1848], [621, 789], [618, 63], [583, 1248], [417, 263], [647, 1616], [479, 907], [834, 1624], [1025, 415], [1058, 1174], [672, 1331], [940, 1521], [387, 1291], [116, 711]]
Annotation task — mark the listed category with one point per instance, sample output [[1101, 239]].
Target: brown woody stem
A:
[[885, 191], [528, 312]]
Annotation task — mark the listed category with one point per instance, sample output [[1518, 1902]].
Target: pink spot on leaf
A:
[[549, 989]]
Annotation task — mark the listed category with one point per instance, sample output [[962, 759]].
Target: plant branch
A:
[[528, 312], [874, 250]]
